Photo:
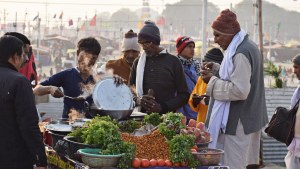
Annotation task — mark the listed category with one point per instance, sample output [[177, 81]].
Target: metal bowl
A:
[[203, 145], [114, 114], [208, 156]]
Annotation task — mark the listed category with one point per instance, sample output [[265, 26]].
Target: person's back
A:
[[21, 144], [13, 146]]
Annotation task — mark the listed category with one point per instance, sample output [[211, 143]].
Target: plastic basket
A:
[[92, 158]]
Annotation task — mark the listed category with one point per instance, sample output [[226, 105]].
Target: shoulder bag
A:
[[282, 124]]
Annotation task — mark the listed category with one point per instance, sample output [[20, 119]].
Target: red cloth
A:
[[29, 70], [93, 21]]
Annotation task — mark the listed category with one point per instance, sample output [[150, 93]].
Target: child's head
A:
[[214, 55], [88, 50], [89, 45]]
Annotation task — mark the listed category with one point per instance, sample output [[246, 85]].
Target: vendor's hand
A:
[[196, 100], [56, 92], [148, 102], [207, 66], [206, 100], [118, 80], [206, 75]]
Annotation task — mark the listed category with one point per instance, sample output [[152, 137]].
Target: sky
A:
[[73, 9]]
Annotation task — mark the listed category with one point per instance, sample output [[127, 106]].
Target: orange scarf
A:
[[120, 67]]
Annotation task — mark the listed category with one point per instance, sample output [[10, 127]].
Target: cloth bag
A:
[[282, 124]]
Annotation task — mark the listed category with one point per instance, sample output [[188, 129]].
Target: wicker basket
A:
[[92, 158], [208, 156]]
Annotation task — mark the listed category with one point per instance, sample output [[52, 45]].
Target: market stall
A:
[[117, 137]]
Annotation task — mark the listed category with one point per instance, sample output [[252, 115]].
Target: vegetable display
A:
[[170, 144], [104, 133]]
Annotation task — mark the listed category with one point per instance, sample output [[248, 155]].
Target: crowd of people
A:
[[225, 91]]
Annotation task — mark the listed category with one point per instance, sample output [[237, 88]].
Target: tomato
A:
[[136, 163], [192, 123], [153, 162], [184, 164], [193, 150], [168, 163], [176, 164], [161, 162], [195, 147], [145, 163]]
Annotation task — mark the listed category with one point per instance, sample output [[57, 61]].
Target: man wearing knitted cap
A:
[[157, 75], [131, 51], [239, 111], [185, 48]]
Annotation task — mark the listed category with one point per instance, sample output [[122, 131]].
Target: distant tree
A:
[[283, 23], [103, 19], [185, 17], [124, 19]]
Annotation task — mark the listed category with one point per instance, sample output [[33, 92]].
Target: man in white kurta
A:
[[239, 112]]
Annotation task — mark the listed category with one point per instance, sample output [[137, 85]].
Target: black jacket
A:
[[164, 74], [21, 144]]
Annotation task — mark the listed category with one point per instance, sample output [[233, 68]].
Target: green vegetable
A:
[[129, 126], [153, 118], [171, 124], [101, 134], [180, 149], [78, 134], [122, 147], [167, 132]]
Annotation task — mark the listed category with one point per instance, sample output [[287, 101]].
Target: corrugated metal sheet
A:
[[274, 151]]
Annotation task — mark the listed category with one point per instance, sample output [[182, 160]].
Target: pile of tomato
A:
[[144, 163]]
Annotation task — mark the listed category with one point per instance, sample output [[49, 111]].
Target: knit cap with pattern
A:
[[130, 42]]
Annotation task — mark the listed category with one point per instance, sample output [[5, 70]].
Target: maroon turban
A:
[[226, 23]]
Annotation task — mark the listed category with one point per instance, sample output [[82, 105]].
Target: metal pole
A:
[[255, 22], [16, 20], [204, 20], [24, 25], [260, 28], [4, 18]]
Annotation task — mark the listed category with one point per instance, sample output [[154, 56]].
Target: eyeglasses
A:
[[145, 43]]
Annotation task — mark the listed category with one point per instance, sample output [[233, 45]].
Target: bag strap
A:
[[295, 108]]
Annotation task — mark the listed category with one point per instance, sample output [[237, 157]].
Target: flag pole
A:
[[16, 19], [24, 25], [96, 22]]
